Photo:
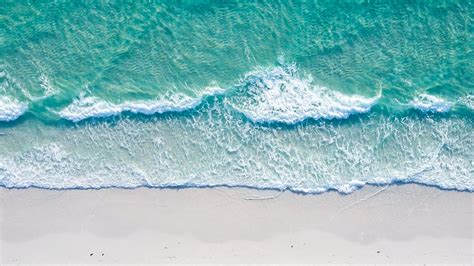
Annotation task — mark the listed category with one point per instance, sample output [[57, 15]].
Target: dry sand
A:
[[398, 224]]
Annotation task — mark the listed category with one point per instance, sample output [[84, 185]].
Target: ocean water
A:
[[308, 96]]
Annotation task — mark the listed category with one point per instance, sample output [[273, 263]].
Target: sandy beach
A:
[[396, 224]]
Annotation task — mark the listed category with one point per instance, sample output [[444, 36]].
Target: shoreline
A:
[[374, 224], [356, 186]]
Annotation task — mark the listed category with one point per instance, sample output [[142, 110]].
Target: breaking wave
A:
[[11, 109], [278, 94], [87, 107], [430, 103]]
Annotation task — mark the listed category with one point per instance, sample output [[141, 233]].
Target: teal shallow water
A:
[[309, 96]]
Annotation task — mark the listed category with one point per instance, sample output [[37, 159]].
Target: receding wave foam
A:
[[277, 94], [87, 107], [280, 94], [430, 103], [216, 149], [11, 109]]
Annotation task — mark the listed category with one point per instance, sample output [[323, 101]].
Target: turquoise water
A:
[[300, 95]]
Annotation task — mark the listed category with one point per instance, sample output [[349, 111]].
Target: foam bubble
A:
[[11, 109], [430, 103], [279, 94]]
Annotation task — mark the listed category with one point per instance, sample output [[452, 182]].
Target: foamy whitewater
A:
[[281, 95], [430, 103], [306, 97], [277, 94], [87, 107], [11, 109]]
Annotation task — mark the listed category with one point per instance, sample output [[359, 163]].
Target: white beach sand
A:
[[398, 224]]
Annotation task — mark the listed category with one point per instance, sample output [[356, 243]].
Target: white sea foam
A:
[[279, 94], [207, 151], [11, 109], [86, 107], [468, 101], [46, 86], [430, 103]]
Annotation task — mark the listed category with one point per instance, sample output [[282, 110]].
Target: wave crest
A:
[[281, 95], [430, 103], [277, 94], [11, 109], [87, 107]]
